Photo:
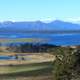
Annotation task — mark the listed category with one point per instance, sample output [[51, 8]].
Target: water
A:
[[55, 39], [7, 57], [3, 57]]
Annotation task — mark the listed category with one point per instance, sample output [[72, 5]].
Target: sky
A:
[[32, 10]]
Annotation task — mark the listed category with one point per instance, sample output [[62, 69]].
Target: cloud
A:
[[74, 19]]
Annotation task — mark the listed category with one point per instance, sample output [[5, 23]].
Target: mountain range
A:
[[26, 26]]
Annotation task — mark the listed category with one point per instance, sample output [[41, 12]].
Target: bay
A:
[[55, 39]]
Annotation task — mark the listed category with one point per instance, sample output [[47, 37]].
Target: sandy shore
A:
[[33, 58]]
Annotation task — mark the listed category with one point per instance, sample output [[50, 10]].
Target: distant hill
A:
[[37, 26]]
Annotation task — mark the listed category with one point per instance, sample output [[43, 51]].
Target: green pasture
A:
[[23, 40], [13, 69]]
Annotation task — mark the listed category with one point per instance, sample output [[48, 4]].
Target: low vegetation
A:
[[66, 65]]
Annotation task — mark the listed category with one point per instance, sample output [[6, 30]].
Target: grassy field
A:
[[44, 77], [9, 69], [38, 68], [23, 40], [37, 71]]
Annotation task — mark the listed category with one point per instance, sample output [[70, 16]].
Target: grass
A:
[[37, 71], [28, 71], [23, 40], [24, 68], [21, 77]]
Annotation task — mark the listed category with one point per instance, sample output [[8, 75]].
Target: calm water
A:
[[55, 39], [3, 57], [7, 57]]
